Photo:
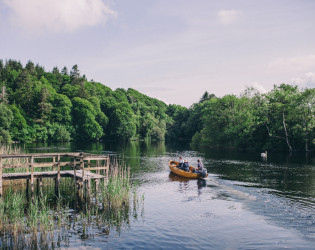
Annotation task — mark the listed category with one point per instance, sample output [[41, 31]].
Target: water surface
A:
[[245, 203]]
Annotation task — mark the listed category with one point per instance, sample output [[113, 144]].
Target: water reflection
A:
[[185, 183], [201, 183]]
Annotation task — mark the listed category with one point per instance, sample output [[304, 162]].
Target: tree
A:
[[6, 118], [3, 95], [177, 127], [281, 108], [122, 122], [24, 94], [303, 126], [84, 121], [206, 96], [100, 117], [45, 106], [64, 71], [61, 112], [75, 76], [19, 128]]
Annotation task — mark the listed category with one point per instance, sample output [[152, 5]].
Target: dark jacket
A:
[[185, 166]]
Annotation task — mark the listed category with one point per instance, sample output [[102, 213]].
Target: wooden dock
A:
[[82, 167]]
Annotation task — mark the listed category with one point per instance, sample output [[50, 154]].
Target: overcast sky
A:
[[173, 50]]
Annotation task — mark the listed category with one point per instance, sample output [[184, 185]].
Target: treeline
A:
[[281, 120], [61, 105]]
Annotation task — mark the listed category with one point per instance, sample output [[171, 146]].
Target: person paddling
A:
[[200, 169], [199, 166]]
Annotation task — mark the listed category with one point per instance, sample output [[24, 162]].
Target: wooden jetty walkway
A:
[[78, 166]]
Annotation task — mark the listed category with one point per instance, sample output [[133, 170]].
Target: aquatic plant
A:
[[115, 192], [40, 222]]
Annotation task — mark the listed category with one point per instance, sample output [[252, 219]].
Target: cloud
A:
[[228, 17], [307, 80], [293, 64], [58, 16]]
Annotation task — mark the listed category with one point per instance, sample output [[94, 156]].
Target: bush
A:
[[5, 136]]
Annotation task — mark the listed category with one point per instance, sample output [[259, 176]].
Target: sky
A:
[[173, 50]]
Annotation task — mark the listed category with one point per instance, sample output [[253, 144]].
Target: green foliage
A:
[[62, 105], [19, 128], [122, 122], [59, 132], [84, 121], [5, 136], [282, 119], [61, 112], [6, 116]]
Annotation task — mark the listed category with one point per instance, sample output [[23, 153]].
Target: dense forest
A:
[[281, 120], [62, 105]]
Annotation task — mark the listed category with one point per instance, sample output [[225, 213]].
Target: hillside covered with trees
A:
[[62, 105], [37, 105]]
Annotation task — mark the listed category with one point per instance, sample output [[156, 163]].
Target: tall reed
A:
[[115, 193], [40, 222], [8, 149]]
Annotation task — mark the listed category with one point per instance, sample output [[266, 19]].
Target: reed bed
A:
[[45, 221], [12, 149]]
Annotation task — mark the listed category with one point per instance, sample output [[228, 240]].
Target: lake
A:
[[245, 203]]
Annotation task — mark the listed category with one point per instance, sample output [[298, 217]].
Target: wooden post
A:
[[32, 173], [107, 167], [54, 162], [82, 167], [88, 182], [58, 168], [75, 172], [0, 176], [96, 186], [97, 166], [28, 167], [27, 170], [57, 180]]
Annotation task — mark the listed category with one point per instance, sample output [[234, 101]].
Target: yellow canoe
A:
[[173, 167]]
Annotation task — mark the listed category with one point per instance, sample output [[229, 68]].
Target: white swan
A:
[[264, 155]]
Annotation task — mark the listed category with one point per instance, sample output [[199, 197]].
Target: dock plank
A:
[[52, 174]]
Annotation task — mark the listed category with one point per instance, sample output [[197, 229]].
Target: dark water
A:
[[245, 203]]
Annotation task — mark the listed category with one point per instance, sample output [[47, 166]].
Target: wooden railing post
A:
[[107, 167], [54, 162], [57, 180], [82, 167], [32, 173], [58, 168], [98, 165], [28, 166], [0, 176], [75, 170]]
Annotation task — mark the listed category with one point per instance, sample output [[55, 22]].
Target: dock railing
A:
[[29, 166]]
